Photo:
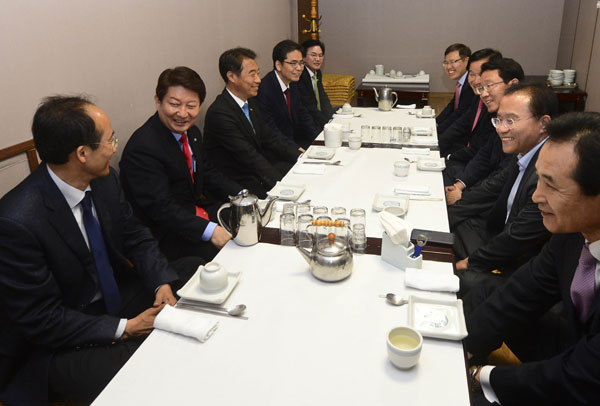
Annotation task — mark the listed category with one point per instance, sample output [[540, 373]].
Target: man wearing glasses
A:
[[280, 100], [456, 62], [496, 224], [311, 87]]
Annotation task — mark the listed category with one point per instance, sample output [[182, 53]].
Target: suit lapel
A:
[[240, 116]]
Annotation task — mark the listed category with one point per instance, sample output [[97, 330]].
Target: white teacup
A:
[[379, 70], [354, 142], [392, 73], [347, 108], [421, 72], [404, 346], [213, 276], [401, 168], [399, 74], [427, 110]]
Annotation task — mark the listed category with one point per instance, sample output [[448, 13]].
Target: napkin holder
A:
[[399, 255]]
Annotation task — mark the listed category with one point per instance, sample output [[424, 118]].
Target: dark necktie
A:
[[583, 284], [200, 212], [289, 102], [456, 95], [106, 277]]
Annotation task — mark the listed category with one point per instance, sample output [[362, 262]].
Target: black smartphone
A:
[[436, 237]]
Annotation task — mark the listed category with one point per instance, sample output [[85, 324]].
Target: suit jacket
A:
[[522, 235], [46, 270], [305, 85], [488, 160], [300, 129], [157, 182], [568, 378], [449, 115]]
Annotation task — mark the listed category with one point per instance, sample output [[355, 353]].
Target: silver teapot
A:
[[384, 98], [246, 219], [330, 259]]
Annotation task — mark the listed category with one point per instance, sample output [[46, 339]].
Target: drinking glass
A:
[[323, 231], [338, 212], [396, 135], [289, 208], [386, 134], [358, 216], [406, 133], [376, 133], [344, 231], [302, 208], [359, 238], [320, 211], [287, 229], [305, 230], [365, 133]]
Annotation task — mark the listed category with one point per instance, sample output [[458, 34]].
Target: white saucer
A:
[[193, 291], [380, 202], [286, 191], [316, 152], [420, 114], [433, 165], [437, 318]]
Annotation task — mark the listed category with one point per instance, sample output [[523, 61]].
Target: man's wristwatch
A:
[[473, 371]]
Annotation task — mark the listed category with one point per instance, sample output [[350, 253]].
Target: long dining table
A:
[[306, 341]]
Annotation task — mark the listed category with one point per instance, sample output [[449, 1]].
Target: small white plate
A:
[[193, 291], [437, 318], [380, 202], [421, 131], [433, 165], [315, 152], [287, 191], [421, 115]]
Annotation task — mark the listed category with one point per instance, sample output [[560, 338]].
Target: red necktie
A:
[[200, 212], [479, 107], [583, 284], [456, 95], [289, 102]]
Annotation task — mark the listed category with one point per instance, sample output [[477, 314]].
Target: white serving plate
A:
[[431, 164], [193, 291], [380, 202], [437, 318], [286, 191], [317, 152]]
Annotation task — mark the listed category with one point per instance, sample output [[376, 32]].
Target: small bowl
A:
[[395, 211], [213, 276], [404, 347], [401, 168]]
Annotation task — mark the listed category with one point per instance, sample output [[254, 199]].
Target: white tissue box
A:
[[398, 254]]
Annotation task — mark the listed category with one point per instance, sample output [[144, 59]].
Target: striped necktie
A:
[[316, 89]]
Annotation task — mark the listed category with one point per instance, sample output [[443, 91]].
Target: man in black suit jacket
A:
[[69, 321], [166, 176], [496, 224], [279, 97], [243, 147], [561, 363], [311, 83], [456, 65]]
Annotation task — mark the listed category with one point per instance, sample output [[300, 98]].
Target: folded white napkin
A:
[[411, 190], [397, 229], [425, 279], [415, 151], [186, 323], [421, 130], [305, 169], [406, 106], [423, 140]]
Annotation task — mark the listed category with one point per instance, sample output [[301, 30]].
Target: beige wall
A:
[[114, 50], [412, 35]]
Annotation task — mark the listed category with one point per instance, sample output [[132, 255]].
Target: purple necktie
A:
[[582, 286]]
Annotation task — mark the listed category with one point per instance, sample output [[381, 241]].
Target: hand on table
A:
[[462, 264], [453, 193], [164, 295], [220, 237], [142, 324]]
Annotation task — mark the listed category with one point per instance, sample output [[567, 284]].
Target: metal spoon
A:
[[337, 163], [395, 300], [235, 311]]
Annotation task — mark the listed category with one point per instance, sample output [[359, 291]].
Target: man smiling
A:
[[311, 87], [496, 224], [166, 176], [237, 140], [280, 100]]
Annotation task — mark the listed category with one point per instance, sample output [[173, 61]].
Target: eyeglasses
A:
[[314, 55], [114, 141], [506, 122], [295, 64], [451, 62], [487, 88]]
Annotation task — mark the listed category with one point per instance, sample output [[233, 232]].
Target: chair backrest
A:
[[16, 162]]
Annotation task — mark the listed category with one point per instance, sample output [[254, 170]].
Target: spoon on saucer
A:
[[235, 311], [395, 300]]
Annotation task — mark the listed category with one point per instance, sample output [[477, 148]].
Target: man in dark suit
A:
[[456, 64], [483, 155], [279, 97], [166, 176], [237, 140], [311, 83], [496, 224], [561, 363], [81, 280]]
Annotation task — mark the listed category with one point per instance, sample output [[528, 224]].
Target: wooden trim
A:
[[26, 147]]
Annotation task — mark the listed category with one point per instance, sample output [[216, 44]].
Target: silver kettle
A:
[[386, 99], [330, 259], [246, 219]]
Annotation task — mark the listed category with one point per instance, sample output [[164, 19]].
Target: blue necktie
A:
[[246, 112], [108, 285]]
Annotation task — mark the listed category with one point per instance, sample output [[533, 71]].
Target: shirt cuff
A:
[[463, 183], [484, 381], [208, 231], [120, 329]]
